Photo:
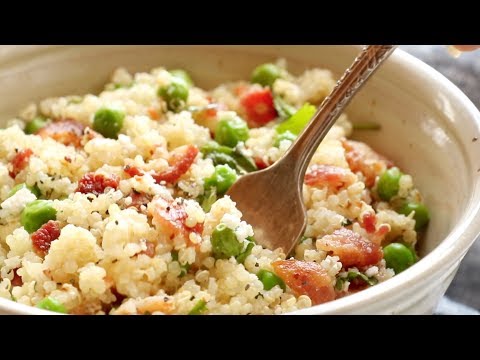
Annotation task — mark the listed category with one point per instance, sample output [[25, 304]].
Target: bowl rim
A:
[[451, 249]]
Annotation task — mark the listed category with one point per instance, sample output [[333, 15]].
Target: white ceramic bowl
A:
[[428, 129]]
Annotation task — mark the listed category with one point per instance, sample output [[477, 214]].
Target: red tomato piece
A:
[[258, 107]]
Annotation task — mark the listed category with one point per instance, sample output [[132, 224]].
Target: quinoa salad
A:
[[115, 203]]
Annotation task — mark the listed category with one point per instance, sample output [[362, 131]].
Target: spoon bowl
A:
[[272, 202]]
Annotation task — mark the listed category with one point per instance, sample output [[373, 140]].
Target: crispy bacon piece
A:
[[180, 162], [330, 176], [20, 161], [352, 248], [68, 132], [306, 278], [43, 237], [362, 158], [169, 216], [96, 184]]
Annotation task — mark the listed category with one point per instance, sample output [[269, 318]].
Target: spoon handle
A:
[[301, 152]]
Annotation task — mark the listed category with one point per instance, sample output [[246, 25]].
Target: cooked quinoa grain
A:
[[114, 203]]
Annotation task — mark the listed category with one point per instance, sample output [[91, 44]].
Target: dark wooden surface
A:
[[465, 73]]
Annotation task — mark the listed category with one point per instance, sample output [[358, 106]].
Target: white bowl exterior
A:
[[428, 127]]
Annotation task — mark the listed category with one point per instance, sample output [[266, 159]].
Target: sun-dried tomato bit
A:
[[20, 161], [133, 171], [306, 278], [258, 107], [180, 161], [43, 237], [67, 131], [330, 176], [96, 184], [352, 248]]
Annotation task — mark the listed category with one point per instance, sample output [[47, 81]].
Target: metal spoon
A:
[[271, 200]]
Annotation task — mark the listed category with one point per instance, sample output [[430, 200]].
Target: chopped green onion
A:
[[183, 268], [241, 258], [199, 308], [355, 274], [208, 199], [51, 304], [339, 284], [284, 109]]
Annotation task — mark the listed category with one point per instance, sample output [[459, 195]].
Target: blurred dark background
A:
[[465, 73]]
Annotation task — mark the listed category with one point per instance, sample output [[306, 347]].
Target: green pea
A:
[[198, 308], [421, 216], [398, 257], [51, 304], [269, 279], [108, 122], [33, 189], [287, 135], [389, 183], [36, 214], [222, 179], [230, 132], [36, 124], [266, 74], [175, 94], [225, 243], [183, 75]]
